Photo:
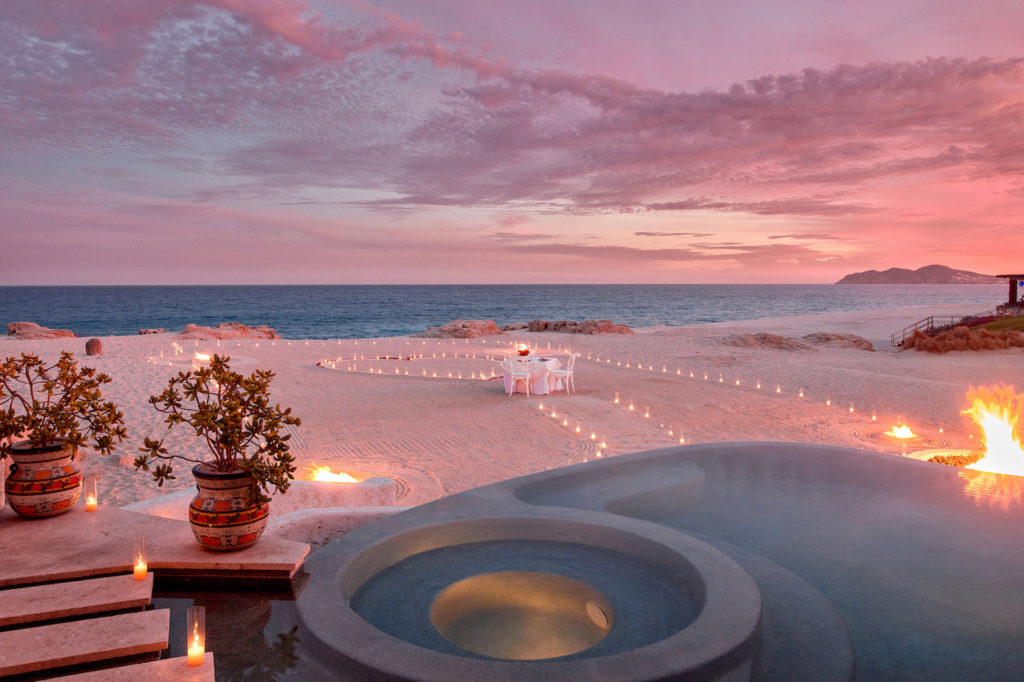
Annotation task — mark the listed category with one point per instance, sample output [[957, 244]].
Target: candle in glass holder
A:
[[139, 559], [91, 500], [196, 638]]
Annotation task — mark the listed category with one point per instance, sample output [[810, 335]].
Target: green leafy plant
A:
[[56, 403], [233, 415]]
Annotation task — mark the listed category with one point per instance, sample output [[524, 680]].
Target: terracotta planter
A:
[[220, 516], [42, 481]]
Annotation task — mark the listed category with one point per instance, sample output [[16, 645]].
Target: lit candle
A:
[[139, 558], [91, 502], [196, 652], [196, 618]]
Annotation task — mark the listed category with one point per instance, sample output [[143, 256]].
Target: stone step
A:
[[169, 669], [83, 641], [74, 598]]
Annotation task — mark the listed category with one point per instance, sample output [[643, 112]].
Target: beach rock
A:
[[574, 327], [763, 340], [94, 347], [31, 330], [462, 329], [227, 330], [514, 327], [158, 330], [594, 327], [838, 340]]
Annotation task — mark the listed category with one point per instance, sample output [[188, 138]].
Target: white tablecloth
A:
[[542, 381]]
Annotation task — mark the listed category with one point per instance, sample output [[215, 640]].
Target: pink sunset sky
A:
[[526, 141]]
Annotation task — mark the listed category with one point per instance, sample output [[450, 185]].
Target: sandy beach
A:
[[437, 436]]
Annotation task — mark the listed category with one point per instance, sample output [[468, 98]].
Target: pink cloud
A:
[[362, 109]]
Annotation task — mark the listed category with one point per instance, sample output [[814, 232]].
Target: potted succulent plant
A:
[[233, 416], [56, 408]]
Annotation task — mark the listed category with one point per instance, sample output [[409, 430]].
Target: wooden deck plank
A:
[[75, 598], [166, 669], [83, 641]]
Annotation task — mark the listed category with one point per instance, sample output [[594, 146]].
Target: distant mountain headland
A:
[[929, 274]]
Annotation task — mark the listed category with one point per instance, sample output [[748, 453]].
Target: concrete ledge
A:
[[80, 543], [317, 527]]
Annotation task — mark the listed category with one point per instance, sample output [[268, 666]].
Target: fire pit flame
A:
[[997, 411], [900, 431], [325, 474]]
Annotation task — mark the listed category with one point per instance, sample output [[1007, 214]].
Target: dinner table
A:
[[542, 381]]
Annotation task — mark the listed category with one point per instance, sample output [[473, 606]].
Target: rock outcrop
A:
[[929, 274], [94, 347], [158, 330], [838, 340], [763, 340], [31, 330], [573, 327], [227, 330], [462, 329]]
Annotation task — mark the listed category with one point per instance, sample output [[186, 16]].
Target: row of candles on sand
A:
[[675, 435], [354, 366], [575, 426], [352, 363]]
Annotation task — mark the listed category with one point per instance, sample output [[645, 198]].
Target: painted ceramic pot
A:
[[42, 481], [221, 516]]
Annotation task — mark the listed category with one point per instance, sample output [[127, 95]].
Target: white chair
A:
[[519, 371], [566, 375]]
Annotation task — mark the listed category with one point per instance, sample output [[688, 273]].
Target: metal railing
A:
[[926, 325]]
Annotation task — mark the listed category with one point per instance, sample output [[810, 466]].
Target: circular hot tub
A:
[[532, 597]]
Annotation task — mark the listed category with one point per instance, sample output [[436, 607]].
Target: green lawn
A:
[[1006, 324]]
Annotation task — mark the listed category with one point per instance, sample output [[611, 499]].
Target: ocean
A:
[[358, 311]]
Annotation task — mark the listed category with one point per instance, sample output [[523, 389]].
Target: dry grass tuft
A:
[[963, 338]]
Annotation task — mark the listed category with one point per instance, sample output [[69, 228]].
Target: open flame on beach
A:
[[325, 474], [202, 357], [997, 411], [900, 430]]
